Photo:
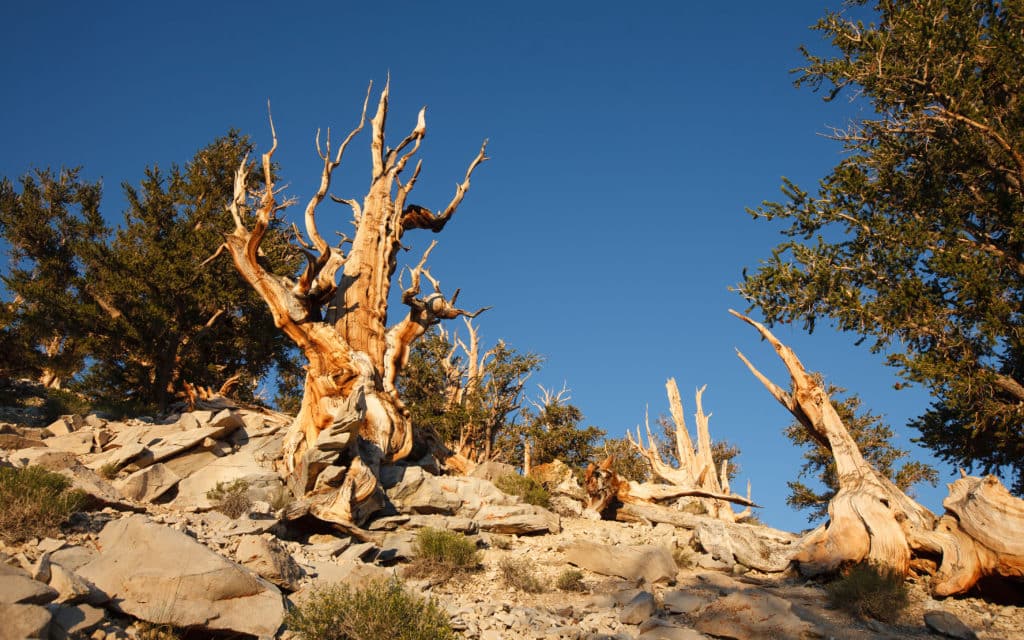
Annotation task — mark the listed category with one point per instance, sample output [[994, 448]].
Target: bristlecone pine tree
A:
[[915, 240], [871, 520], [351, 418]]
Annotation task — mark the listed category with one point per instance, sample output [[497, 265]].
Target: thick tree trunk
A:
[[871, 520], [351, 419]]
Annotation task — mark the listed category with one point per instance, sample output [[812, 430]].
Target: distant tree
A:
[[47, 320], [471, 400], [873, 437], [552, 431], [137, 300], [914, 241], [627, 463]]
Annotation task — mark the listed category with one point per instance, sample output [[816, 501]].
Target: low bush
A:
[[446, 547], [570, 580], [518, 574], [381, 609], [531, 491], [231, 498], [872, 591], [34, 503]]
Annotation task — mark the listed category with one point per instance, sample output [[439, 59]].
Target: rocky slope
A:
[[155, 551]]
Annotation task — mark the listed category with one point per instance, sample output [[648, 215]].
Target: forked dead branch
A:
[[351, 419]]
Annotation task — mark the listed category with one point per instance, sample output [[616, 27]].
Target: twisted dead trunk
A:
[[351, 419], [871, 520]]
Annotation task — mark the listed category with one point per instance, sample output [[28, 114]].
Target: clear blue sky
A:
[[627, 140]]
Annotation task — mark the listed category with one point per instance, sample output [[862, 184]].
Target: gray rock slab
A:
[[22, 621], [265, 555], [13, 441], [237, 466], [752, 615], [946, 624], [71, 558], [650, 562], [75, 620], [517, 518], [639, 609], [161, 575], [148, 484], [16, 587], [679, 601], [78, 442]]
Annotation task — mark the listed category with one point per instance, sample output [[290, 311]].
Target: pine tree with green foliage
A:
[[552, 431], [138, 300], [915, 240]]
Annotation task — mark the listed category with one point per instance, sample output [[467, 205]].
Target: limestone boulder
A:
[[163, 576], [413, 490], [754, 614], [76, 621], [649, 562], [17, 587], [263, 481], [148, 484], [520, 519], [22, 621], [78, 442], [265, 555]]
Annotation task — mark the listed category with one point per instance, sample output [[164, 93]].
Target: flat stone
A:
[[189, 462], [649, 562], [71, 558], [16, 587], [65, 425], [517, 518], [683, 601], [266, 556], [639, 609], [752, 615], [238, 466], [13, 441], [22, 621], [671, 632], [45, 457], [946, 624], [161, 575], [77, 619], [148, 484], [78, 442], [71, 587]]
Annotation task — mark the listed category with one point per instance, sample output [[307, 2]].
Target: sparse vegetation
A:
[[531, 491], [231, 498], [441, 554], [109, 470], [381, 609], [150, 631], [519, 574], [34, 502], [871, 591], [280, 499], [570, 580], [684, 557]]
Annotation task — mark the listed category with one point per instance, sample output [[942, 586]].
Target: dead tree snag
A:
[[351, 419], [696, 471], [871, 520]]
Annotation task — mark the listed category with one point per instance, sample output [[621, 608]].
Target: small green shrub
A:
[[531, 491], [684, 557], [109, 470], [280, 499], [446, 547], [62, 402], [872, 591], [231, 498], [381, 609], [570, 580], [34, 503], [518, 574]]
